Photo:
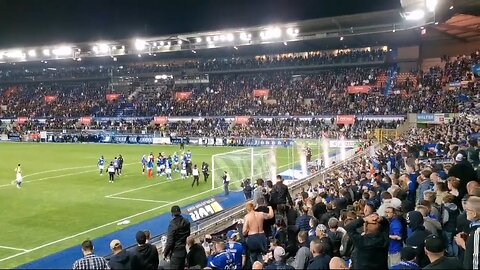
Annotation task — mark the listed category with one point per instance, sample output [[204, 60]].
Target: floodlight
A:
[[154, 44], [140, 44], [230, 37], [103, 48], [198, 39], [46, 52], [180, 42], [95, 49], [245, 37], [235, 47], [415, 15], [62, 51], [16, 53], [215, 38], [209, 39], [32, 53], [169, 43], [162, 43], [431, 5], [292, 32]]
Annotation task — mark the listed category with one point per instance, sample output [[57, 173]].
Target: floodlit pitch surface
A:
[[64, 200]]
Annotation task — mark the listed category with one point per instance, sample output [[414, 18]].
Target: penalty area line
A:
[[136, 199], [13, 248]]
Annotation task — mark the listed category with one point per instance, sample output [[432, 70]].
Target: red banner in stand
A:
[[358, 89], [242, 120], [22, 120], [261, 92], [183, 95], [86, 120], [50, 99], [112, 97], [160, 120], [345, 119]]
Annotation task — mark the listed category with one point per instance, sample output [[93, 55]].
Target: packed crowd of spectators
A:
[[321, 93], [412, 204]]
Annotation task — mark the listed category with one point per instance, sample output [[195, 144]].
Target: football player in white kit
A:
[[19, 178]]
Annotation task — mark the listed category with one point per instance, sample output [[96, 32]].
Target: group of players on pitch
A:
[[164, 164]]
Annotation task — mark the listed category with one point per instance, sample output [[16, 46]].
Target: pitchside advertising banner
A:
[[160, 120], [204, 209], [241, 120], [433, 118], [22, 120], [183, 95], [345, 119], [86, 120]]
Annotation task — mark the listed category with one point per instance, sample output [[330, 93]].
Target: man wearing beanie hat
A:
[[408, 257], [435, 250], [178, 231], [146, 253], [279, 263], [418, 236]]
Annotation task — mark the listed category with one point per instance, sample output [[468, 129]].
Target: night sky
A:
[[42, 22]]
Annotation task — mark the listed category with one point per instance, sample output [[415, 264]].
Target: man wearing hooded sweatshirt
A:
[[122, 259], [418, 236], [147, 253]]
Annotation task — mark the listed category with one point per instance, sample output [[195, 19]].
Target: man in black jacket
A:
[[372, 246], [178, 231], [122, 259], [418, 236], [196, 256], [146, 253], [280, 196]]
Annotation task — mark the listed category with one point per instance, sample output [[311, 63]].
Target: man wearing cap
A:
[[408, 257], [178, 231], [279, 260], [122, 259], [464, 171], [435, 250], [90, 260], [146, 253], [236, 248]]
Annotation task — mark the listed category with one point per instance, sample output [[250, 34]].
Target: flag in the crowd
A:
[[242, 120], [86, 120], [50, 99], [112, 97], [22, 120], [358, 89], [261, 93], [160, 120], [179, 96], [345, 119]]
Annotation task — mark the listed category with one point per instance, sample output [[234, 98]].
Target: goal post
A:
[[241, 164]]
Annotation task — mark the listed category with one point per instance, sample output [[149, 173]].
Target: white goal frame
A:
[[250, 149]]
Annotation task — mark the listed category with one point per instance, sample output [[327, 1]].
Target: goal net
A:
[[252, 163]]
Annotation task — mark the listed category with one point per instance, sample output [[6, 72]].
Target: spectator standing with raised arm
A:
[[253, 231]]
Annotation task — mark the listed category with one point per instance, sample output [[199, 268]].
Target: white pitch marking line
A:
[[58, 176], [12, 248], [104, 225], [144, 187], [136, 199]]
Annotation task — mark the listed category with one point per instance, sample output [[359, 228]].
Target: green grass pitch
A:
[[63, 200]]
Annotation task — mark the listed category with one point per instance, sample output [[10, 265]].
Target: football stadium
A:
[[318, 135]]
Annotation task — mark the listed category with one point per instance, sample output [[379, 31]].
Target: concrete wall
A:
[[434, 49]]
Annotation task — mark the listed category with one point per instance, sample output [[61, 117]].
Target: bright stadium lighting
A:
[[245, 37], [46, 52], [285, 43], [415, 15], [431, 5], [103, 48], [139, 55], [235, 47], [154, 44], [16, 53], [193, 51], [209, 39], [180, 42], [216, 38], [292, 32], [169, 43], [198, 39], [230, 37], [162, 43], [32, 53], [62, 51], [95, 49], [140, 44]]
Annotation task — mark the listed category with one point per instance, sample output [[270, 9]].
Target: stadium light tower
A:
[[140, 44], [46, 52], [62, 51], [32, 53]]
